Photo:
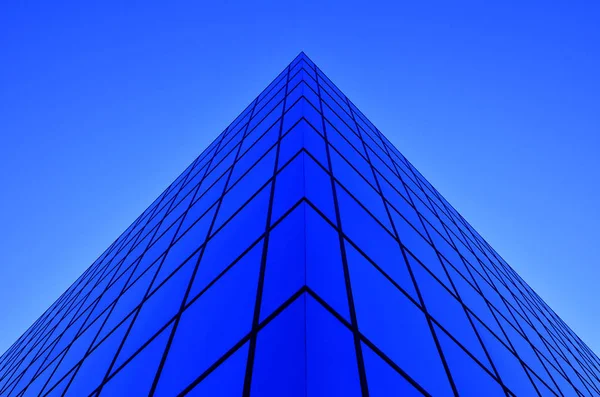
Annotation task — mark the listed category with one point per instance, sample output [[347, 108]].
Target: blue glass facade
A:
[[300, 255]]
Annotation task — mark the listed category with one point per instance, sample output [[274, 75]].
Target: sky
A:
[[103, 104]]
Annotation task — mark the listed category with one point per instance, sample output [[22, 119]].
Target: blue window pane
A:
[[510, 369], [566, 388], [331, 358], [186, 194], [434, 266], [228, 244], [542, 387], [315, 144], [293, 114], [525, 352], [296, 88], [305, 350], [469, 377], [404, 208], [396, 326], [289, 188], [304, 250], [24, 380], [272, 88], [449, 253], [59, 389], [186, 248], [94, 367], [210, 326], [317, 185], [302, 89], [383, 380], [326, 83], [285, 269], [359, 188], [302, 135], [303, 108], [280, 359], [324, 269], [37, 385], [343, 129], [205, 198], [377, 154], [491, 295], [312, 115], [349, 152], [291, 143], [268, 115], [231, 141], [298, 68], [372, 238], [175, 259], [310, 92], [153, 255], [227, 380], [257, 143], [476, 303], [160, 308], [110, 295], [444, 308], [76, 351], [210, 269], [242, 191], [127, 303], [66, 337], [385, 168], [337, 104], [420, 248], [135, 379], [254, 147], [184, 199], [273, 95], [217, 169], [140, 246]]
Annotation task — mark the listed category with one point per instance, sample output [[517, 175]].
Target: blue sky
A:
[[103, 105]]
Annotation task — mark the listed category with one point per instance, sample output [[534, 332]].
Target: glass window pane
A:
[[331, 357], [317, 185], [159, 309], [210, 326], [95, 366], [448, 311], [470, 378], [227, 380], [247, 186], [280, 359], [228, 244], [359, 188], [285, 269], [396, 326], [289, 188], [135, 379], [324, 269], [372, 238], [383, 380], [510, 369]]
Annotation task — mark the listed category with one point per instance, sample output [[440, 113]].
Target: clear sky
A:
[[103, 105]]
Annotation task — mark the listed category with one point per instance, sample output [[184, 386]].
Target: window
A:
[[396, 326], [209, 327]]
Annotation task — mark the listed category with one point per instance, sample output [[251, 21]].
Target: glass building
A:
[[300, 255]]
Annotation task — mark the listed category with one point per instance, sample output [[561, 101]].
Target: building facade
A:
[[300, 254]]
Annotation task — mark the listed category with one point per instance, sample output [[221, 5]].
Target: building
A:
[[300, 255]]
